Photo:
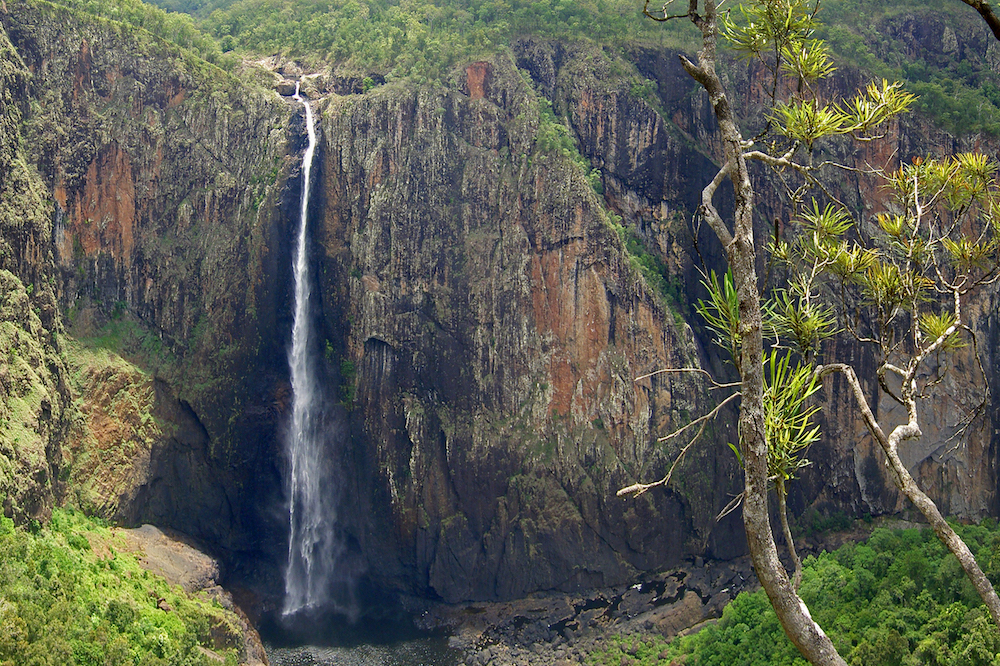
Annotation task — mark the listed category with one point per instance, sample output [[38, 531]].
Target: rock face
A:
[[848, 474], [160, 230], [33, 392], [481, 321], [495, 327]]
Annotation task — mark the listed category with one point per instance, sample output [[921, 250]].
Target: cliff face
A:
[[158, 228], [481, 322], [955, 459], [33, 391], [495, 327]]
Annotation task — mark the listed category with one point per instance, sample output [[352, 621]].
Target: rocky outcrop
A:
[[181, 563], [558, 629]]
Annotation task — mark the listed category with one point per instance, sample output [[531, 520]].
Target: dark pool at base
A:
[[333, 640], [418, 652]]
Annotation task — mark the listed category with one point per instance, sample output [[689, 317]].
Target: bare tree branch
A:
[[986, 11], [707, 417], [637, 489], [711, 379]]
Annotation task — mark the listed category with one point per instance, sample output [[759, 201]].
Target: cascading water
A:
[[312, 544]]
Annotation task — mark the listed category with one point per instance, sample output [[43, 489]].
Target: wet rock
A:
[[561, 628]]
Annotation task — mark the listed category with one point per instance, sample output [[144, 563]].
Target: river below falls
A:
[[371, 641], [414, 652]]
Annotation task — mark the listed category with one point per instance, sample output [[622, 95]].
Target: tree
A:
[[913, 275], [788, 426], [737, 239], [779, 35]]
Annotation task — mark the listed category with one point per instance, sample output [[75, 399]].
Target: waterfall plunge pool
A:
[[332, 640]]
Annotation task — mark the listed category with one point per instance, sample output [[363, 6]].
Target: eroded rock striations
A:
[[33, 392], [495, 326]]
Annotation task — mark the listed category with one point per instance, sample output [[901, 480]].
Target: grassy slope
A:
[[71, 594]]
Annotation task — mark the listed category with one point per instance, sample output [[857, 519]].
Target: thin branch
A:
[[783, 161], [937, 344], [706, 417], [637, 489], [859, 394], [732, 506], [711, 379], [979, 409], [708, 210], [663, 12], [880, 374], [842, 167]]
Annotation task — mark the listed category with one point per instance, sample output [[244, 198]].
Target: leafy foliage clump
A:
[[897, 600], [417, 38], [958, 92], [177, 28], [68, 595]]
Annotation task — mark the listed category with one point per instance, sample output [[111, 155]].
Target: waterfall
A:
[[312, 545]]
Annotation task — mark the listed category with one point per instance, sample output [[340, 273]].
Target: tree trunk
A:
[[792, 612]]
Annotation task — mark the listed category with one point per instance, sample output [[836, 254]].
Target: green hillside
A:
[[424, 39], [897, 600]]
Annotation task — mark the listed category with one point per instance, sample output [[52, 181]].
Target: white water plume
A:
[[313, 548]]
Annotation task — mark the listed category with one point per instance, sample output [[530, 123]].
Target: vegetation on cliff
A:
[[32, 385], [31, 410], [413, 38], [178, 28], [899, 599], [955, 83], [113, 430], [426, 38], [72, 594]]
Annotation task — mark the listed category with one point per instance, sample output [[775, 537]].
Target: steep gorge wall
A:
[[159, 179], [34, 396], [957, 468], [495, 325], [481, 322]]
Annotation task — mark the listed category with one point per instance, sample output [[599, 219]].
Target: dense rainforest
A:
[[502, 237]]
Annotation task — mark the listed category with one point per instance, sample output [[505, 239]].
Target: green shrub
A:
[[897, 600], [63, 602]]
